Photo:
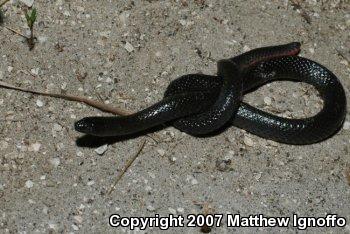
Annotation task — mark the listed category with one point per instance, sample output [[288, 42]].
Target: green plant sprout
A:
[[31, 18]]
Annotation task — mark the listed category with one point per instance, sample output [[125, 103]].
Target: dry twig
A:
[[16, 32], [93, 103], [128, 164]]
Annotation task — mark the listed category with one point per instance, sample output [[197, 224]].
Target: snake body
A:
[[201, 104]]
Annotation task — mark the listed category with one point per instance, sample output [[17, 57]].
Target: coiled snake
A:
[[202, 104]]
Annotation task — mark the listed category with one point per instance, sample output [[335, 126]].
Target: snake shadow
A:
[[89, 141]]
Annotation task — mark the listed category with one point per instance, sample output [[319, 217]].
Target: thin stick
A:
[[128, 164], [93, 103], [16, 32], [4, 2], [99, 105]]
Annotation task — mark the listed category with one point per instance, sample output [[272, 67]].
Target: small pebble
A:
[[295, 95], [152, 175], [53, 226], [59, 146], [344, 62], [45, 210], [9, 69], [75, 227], [223, 165], [3, 145], [158, 54], [172, 210], [123, 17], [194, 181], [57, 127], [105, 34], [180, 210], [267, 100], [246, 48], [230, 155], [183, 22], [161, 152], [28, 3], [55, 162], [102, 149], [151, 208], [64, 86], [39, 103], [29, 184], [34, 71], [248, 141], [42, 39], [272, 143], [78, 218], [129, 47], [34, 147], [257, 176], [80, 9], [91, 182]]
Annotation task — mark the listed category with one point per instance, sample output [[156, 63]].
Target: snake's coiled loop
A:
[[201, 104]]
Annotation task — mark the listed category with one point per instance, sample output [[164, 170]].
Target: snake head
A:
[[88, 125]]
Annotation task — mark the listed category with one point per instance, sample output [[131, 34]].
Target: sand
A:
[[125, 53]]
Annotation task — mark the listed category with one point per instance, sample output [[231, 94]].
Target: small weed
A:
[[31, 18]]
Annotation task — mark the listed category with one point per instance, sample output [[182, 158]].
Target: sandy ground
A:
[[126, 53]]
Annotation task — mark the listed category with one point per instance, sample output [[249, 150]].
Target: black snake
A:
[[202, 104]]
